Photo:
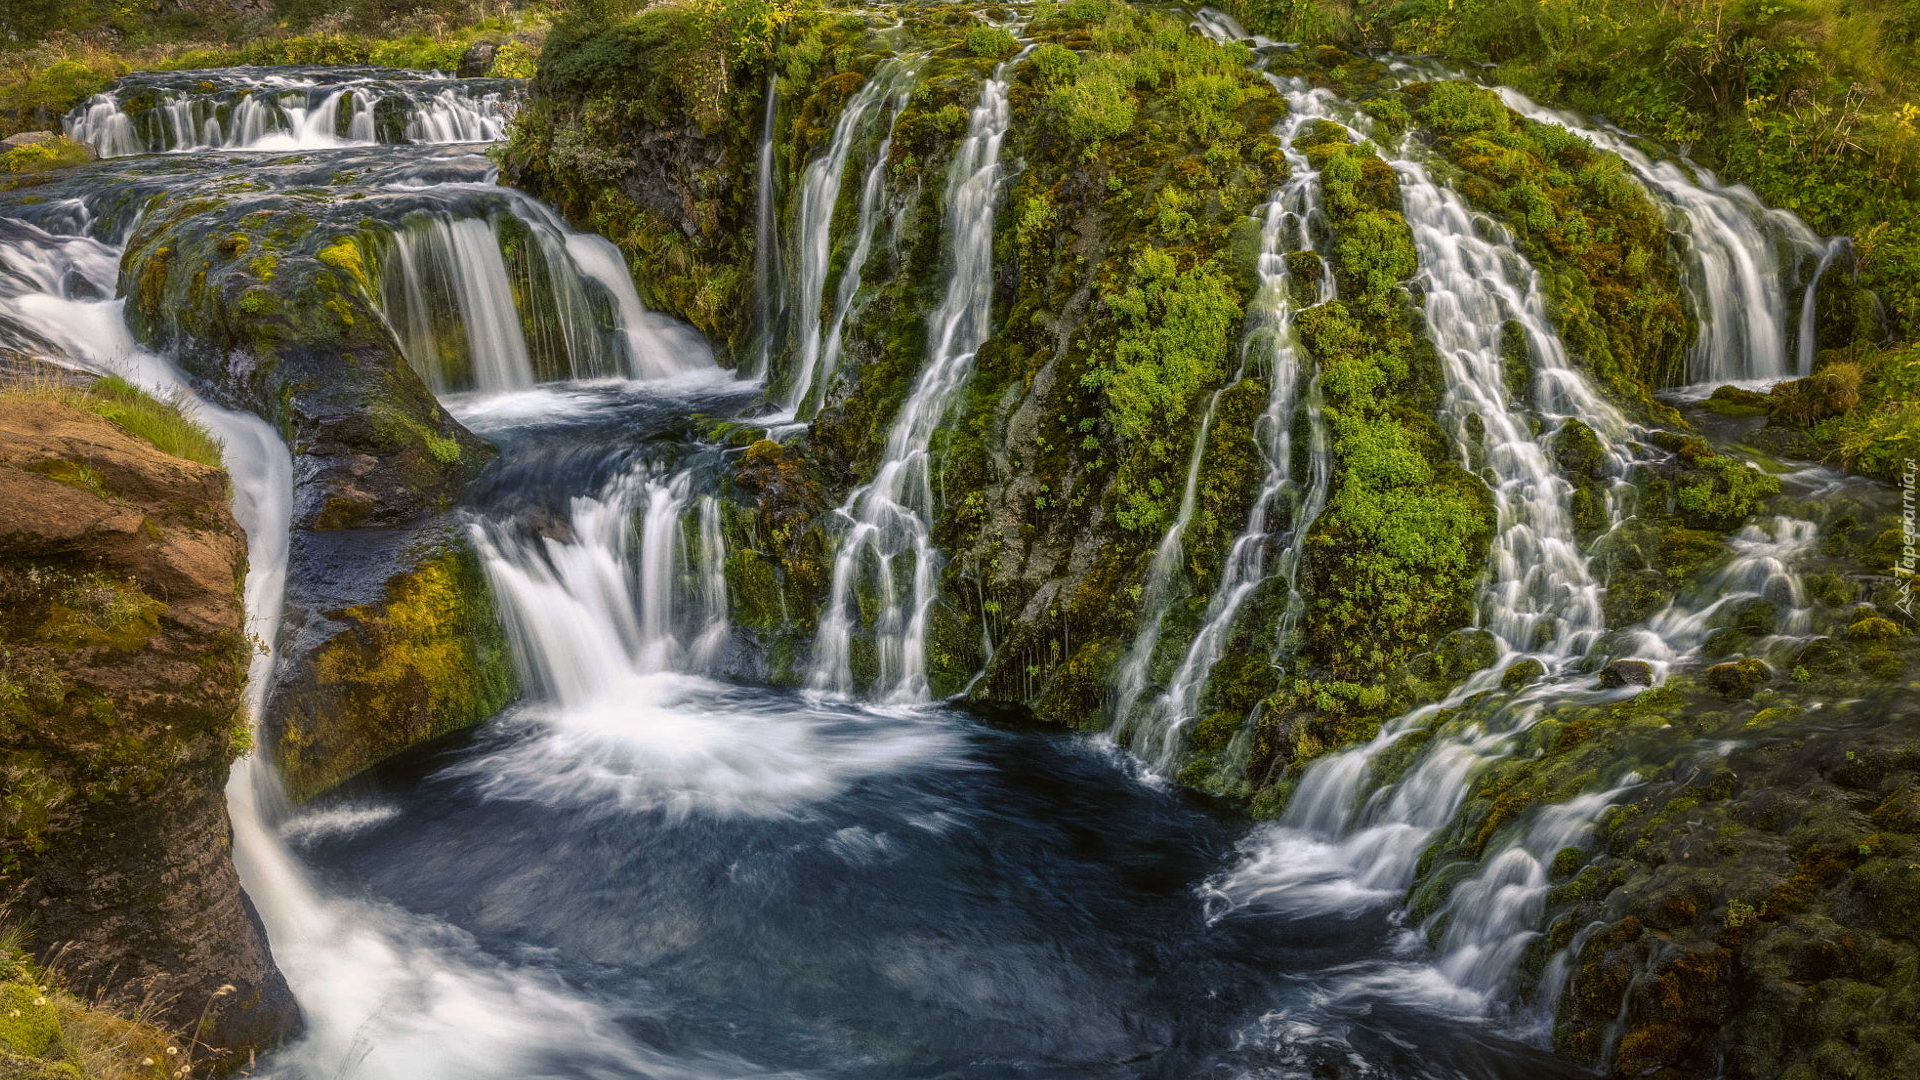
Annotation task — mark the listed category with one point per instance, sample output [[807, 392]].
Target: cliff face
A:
[[121, 670], [1759, 800]]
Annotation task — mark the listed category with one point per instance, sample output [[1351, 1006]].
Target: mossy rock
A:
[[1739, 679], [1522, 674]]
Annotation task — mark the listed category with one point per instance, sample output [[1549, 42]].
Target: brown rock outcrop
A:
[[122, 659]]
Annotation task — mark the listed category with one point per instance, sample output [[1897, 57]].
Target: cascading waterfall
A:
[[447, 286], [1493, 917], [1738, 256], [311, 109], [1287, 224], [1343, 839], [586, 614], [872, 200], [882, 96], [385, 994], [890, 515], [1761, 569], [1542, 597]]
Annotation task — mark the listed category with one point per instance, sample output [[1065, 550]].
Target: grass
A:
[[69, 1036], [160, 422]]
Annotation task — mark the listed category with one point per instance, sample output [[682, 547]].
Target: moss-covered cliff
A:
[[121, 669]]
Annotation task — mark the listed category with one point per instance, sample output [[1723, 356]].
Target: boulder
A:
[[1626, 673], [1522, 674], [1740, 678], [477, 61]]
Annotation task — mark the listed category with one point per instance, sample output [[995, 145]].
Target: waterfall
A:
[[1761, 569], [586, 613], [1542, 596], [311, 109], [447, 287], [884, 94], [1134, 669], [1345, 839], [1737, 255], [890, 515], [1492, 917], [1287, 223], [711, 558], [767, 272]]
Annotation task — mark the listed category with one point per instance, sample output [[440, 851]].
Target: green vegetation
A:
[[1394, 557], [1600, 244], [159, 422], [1813, 104], [49, 1033], [1173, 341], [1860, 409], [48, 154]]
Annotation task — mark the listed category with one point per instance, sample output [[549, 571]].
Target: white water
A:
[[1348, 842], [447, 289], [1740, 256], [1493, 917], [767, 269], [890, 516], [1762, 569], [879, 99], [1288, 222], [385, 994], [286, 113], [1542, 597]]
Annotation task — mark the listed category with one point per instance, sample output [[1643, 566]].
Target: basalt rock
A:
[[120, 712]]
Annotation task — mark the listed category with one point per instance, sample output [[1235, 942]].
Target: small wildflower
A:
[[39, 1001]]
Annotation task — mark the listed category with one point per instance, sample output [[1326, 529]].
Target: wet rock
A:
[[1740, 678], [119, 601], [477, 61], [1525, 673], [1626, 673], [390, 640]]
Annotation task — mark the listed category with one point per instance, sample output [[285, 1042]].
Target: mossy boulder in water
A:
[[420, 655], [1740, 678]]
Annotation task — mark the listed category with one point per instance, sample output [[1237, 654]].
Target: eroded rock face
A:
[[121, 674]]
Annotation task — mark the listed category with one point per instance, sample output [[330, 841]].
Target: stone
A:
[[1738, 679], [1626, 673], [1522, 674], [119, 600], [477, 61]]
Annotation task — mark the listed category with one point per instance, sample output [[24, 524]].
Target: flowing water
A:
[[1292, 221], [290, 109], [877, 102], [1742, 261], [649, 866], [890, 516]]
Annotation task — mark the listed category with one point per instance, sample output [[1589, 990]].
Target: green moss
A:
[[55, 153], [426, 661]]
